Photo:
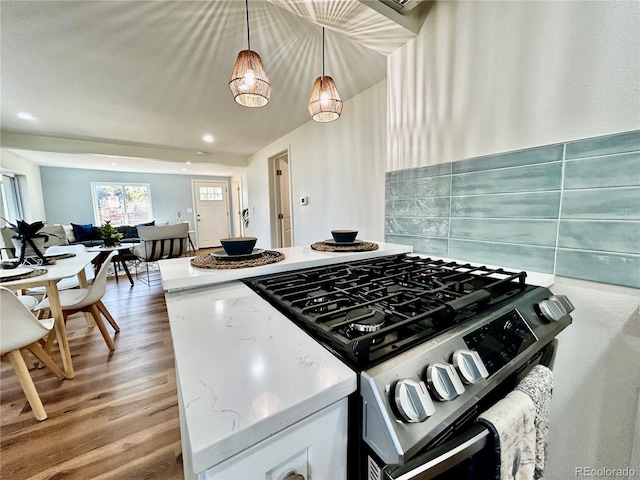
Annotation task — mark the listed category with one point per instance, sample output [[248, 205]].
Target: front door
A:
[[211, 212]]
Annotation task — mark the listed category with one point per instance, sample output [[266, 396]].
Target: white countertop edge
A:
[[222, 450], [239, 307]]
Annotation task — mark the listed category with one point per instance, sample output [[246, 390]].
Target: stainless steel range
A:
[[435, 343]]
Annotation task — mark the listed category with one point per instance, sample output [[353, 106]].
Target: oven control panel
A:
[[500, 341]]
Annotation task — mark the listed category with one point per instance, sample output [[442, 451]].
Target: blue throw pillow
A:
[[83, 232], [148, 224]]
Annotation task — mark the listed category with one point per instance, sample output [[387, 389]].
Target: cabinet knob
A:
[[293, 476]]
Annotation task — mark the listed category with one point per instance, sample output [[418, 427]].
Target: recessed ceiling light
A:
[[114, 164], [26, 116], [208, 138], [200, 152], [184, 169], [188, 163]]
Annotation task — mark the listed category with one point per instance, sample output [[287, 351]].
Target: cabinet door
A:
[[315, 447]]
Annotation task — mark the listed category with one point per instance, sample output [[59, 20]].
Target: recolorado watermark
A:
[[605, 472]]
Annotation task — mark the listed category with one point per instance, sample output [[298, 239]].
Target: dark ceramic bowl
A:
[[344, 236], [238, 245]]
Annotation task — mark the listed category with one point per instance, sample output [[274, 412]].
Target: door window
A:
[[210, 193]]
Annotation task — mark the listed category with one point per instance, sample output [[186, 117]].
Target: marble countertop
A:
[[245, 371], [177, 273]]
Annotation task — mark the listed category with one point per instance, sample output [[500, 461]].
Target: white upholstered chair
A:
[[20, 329], [89, 299], [161, 241]]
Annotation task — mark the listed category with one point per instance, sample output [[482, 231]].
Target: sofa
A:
[[90, 236], [80, 234]]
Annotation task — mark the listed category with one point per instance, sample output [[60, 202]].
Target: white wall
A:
[[597, 371], [339, 166], [29, 182], [489, 77]]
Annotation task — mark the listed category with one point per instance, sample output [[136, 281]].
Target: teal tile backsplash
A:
[[514, 230], [419, 188], [515, 205], [622, 170], [529, 178], [550, 153], [604, 236], [602, 203], [523, 257], [572, 209], [419, 207]]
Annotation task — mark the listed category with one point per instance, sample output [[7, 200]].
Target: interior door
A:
[[236, 201], [211, 212], [284, 201]]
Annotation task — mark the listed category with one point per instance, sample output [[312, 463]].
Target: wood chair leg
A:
[[51, 337], [101, 327], [41, 355], [16, 359], [107, 315]]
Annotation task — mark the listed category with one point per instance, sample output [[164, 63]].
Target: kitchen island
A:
[[258, 397]]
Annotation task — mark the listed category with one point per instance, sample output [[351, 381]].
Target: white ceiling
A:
[[145, 80]]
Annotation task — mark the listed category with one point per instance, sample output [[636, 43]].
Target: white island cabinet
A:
[[258, 397]]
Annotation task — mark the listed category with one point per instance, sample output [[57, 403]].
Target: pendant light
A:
[[325, 104], [249, 82]]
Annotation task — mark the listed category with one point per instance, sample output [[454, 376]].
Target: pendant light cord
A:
[[246, 4], [323, 51]]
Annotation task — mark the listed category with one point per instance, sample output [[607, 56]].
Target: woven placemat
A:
[[24, 276], [361, 247], [59, 256], [209, 261]]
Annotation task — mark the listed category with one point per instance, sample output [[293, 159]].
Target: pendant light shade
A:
[[325, 104], [249, 82]]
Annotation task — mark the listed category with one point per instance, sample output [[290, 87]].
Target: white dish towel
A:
[[520, 424], [512, 423], [538, 384]]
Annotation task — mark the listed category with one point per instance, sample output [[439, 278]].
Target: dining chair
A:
[[65, 283], [21, 329], [89, 300], [28, 301]]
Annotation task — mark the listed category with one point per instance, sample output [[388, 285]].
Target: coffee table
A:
[[103, 253]]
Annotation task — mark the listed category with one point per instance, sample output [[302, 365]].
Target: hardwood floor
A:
[[118, 418]]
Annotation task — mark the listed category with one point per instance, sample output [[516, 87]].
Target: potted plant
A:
[[110, 235], [28, 241]]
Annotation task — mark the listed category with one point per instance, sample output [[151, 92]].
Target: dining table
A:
[[49, 276]]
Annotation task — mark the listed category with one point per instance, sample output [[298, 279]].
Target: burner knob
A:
[[555, 307], [470, 366], [444, 381], [413, 400]]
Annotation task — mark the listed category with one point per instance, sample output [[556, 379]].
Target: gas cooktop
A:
[[370, 310]]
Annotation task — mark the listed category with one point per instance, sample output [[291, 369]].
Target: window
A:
[[121, 204], [210, 193], [11, 206]]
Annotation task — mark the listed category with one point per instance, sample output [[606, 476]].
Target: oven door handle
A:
[[444, 457]]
